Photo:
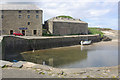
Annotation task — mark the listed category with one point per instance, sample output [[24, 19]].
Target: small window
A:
[[28, 16], [2, 16], [2, 11], [37, 11], [20, 11], [11, 32], [28, 11], [20, 16], [28, 23], [37, 16], [34, 32]]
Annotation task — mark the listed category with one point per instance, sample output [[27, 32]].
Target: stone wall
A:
[[13, 46], [12, 21], [64, 28]]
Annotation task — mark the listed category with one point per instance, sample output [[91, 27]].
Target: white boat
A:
[[86, 42]]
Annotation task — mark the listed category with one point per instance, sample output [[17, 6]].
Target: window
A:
[[37, 11], [34, 32], [11, 32], [20, 11], [20, 16], [28, 11], [2, 16], [28, 16], [2, 11], [28, 23], [37, 16]]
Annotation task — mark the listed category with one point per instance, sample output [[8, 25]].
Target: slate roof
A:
[[18, 7]]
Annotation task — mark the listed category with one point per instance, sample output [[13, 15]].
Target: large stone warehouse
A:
[[22, 18], [66, 26]]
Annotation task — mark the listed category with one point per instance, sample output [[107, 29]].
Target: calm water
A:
[[76, 57]]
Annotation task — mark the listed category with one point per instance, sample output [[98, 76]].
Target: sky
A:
[[97, 13]]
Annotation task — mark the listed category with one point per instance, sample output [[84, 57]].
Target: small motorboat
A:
[[86, 42]]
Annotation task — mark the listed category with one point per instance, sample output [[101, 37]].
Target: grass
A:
[[63, 16], [46, 34], [98, 28], [95, 31]]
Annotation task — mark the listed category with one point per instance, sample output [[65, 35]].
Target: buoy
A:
[[33, 50], [43, 62], [81, 42]]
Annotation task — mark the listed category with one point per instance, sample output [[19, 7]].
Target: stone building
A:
[[65, 26], [22, 18]]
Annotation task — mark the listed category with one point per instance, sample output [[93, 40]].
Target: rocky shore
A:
[[23, 69]]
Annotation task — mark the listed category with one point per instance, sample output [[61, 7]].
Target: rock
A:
[[105, 38], [38, 69], [18, 64], [98, 70], [29, 65], [43, 67], [43, 72], [82, 72], [54, 75], [5, 63], [108, 70], [65, 74], [62, 73], [2, 65], [104, 73], [55, 70]]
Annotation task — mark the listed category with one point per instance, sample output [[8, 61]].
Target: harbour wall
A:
[[12, 46]]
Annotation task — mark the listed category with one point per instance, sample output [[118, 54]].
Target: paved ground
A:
[[0, 73], [21, 73], [44, 37], [32, 70]]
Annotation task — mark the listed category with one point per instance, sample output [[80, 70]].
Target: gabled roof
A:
[[57, 19], [18, 7]]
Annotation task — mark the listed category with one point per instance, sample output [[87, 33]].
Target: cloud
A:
[[103, 14], [60, 0], [96, 12], [99, 12]]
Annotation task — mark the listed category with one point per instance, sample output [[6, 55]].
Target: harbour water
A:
[[96, 55]]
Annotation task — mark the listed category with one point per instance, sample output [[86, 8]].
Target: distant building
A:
[[65, 26], [23, 18]]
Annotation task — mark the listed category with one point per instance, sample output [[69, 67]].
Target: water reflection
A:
[[56, 57], [69, 57], [75, 57]]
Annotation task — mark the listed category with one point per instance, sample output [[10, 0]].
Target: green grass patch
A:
[[98, 28], [63, 16], [46, 34], [95, 31]]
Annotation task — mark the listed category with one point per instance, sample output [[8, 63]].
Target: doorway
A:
[[23, 32], [34, 32], [11, 32]]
